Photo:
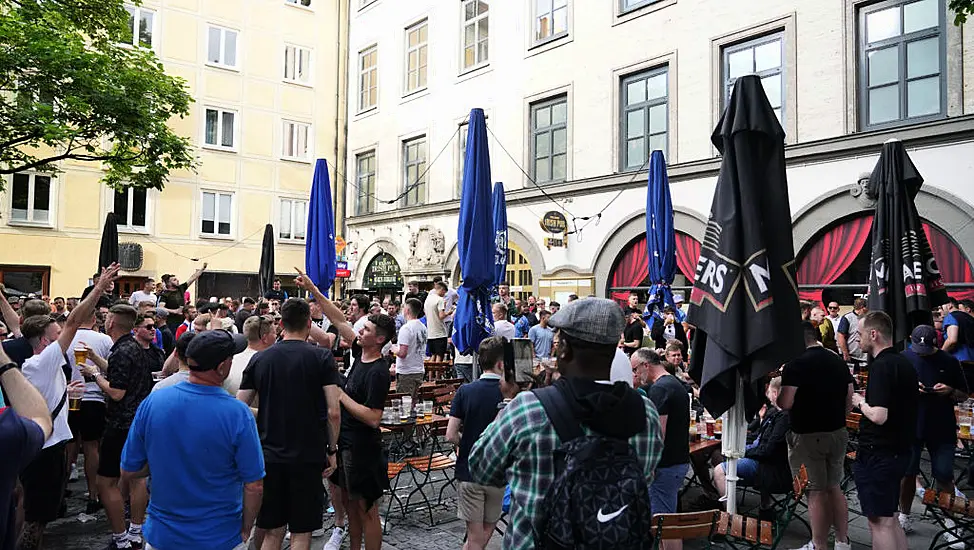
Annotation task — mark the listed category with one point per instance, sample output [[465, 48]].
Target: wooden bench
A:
[[944, 506], [712, 524]]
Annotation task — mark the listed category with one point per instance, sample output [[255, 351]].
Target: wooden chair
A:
[[685, 526], [944, 506], [394, 470], [751, 533], [422, 468], [442, 398]]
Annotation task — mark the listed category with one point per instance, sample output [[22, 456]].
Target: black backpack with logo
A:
[[599, 498]]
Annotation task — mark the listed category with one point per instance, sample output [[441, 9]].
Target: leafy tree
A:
[[961, 9], [71, 90]]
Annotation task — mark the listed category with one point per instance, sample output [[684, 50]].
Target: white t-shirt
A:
[[102, 345], [237, 366], [44, 372], [140, 296], [170, 381], [504, 328], [412, 334], [621, 368], [434, 325]]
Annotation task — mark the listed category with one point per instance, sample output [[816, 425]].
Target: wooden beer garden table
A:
[[409, 437]]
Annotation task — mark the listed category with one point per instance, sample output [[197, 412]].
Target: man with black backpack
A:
[[580, 454]]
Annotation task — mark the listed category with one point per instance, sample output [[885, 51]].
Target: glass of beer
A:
[[965, 426], [407, 404], [427, 409], [74, 397], [80, 356]]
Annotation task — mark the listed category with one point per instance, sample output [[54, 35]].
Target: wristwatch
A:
[[332, 450], [4, 368]]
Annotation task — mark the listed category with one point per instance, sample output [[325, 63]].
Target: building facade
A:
[[268, 79], [577, 95]]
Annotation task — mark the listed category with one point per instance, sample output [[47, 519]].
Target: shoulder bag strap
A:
[[559, 412]]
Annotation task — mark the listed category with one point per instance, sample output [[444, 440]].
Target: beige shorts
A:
[[479, 503], [823, 455]]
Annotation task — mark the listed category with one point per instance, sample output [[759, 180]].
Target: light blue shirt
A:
[[542, 338]]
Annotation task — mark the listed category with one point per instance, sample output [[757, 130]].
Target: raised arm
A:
[[331, 311], [87, 306], [196, 275]]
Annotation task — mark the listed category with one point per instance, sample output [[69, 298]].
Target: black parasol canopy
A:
[[266, 273], [904, 280], [744, 302], [108, 251]]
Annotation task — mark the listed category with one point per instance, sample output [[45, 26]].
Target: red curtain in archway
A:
[[633, 268], [954, 267], [832, 255], [687, 255]]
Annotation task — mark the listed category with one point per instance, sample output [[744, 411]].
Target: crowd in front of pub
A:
[[232, 422]]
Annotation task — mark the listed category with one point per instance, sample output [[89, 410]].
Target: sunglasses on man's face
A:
[[834, 308]]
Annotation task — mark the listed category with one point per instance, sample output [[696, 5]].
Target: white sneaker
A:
[[808, 546], [950, 537], [906, 523], [74, 473], [335, 542], [847, 545]]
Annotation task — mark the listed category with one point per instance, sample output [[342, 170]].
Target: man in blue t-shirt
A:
[[474, 408], [204, 454], [542, 336], [959, 330]]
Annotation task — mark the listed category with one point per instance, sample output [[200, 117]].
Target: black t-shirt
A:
[[18, 350], [671, 399], [130, 368], [475, 405], [892, 384], [278, 295], [174, 299], [822, 379], [367, 384], [289, 378], [633, 331], [936, 423]]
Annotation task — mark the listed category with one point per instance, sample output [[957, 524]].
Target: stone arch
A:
[[520, 238], [379, 245], [686, 221]]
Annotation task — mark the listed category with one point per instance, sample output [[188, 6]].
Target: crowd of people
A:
[[226, 422]]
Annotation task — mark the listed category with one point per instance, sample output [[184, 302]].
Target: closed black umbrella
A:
[[904, 280], [108, 251], [266, 273]]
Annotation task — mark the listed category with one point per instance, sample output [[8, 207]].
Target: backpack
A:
[[599, 498]]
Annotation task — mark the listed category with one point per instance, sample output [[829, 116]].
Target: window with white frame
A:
[[141, 27], [365, 181], [368, 78], [294, 219], [221, 46], [644, 116], [550, 19], [216, 213], [475, 31], [626, 6], [305, 3], [297, 64], [220, 128], [549, 140], [414, 171], [763, 57], [295, 142], [131, 208], [462, 145], [416, 57], [32, 198]]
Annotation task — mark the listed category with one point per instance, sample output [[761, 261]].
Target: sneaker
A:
[[115, 544], [906, 523], [136, 541], [335, 542], [949, 537], [847, 545], [74, 473], [808, 546]]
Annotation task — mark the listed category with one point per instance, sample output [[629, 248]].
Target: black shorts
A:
[[44, 480], [437, 346], [88, 424], [356, 474], [110, 452], [294, 495], [878, 475]]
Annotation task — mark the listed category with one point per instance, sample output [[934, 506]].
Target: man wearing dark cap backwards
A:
[[204, 454]]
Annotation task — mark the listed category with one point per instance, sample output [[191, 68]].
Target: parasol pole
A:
[[732, 443]]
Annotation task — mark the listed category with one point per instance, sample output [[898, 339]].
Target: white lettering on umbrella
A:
[[713, 275], [761, 276]]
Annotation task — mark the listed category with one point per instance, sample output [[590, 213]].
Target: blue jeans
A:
[[665, 490]]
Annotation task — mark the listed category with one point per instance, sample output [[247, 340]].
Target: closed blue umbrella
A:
[[500, 234], [319, 247], [660, 235], [475, 242]]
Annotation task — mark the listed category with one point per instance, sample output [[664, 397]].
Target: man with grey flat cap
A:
[[518, 448], [204, 454]]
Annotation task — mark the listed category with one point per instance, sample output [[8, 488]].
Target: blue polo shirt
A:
[[475, 405], [201, 446]]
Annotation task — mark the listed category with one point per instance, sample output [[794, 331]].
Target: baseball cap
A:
[[924, 340], [678, 297], [212, 347], [594, 320]]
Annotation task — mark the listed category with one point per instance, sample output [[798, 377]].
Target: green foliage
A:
[[961, 9], [69, 90]]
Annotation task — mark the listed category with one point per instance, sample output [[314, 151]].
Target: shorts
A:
[[408, 383], [44, 480], [88, 424], [747, 472], [110, 452], [464, 371], [664, 492], [941, 460], [241, 546], [437, 346], [351, 468], [479, 503], [878, 476], [822, 453], [294, 495]]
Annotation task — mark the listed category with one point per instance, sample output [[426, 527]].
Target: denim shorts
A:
[[665, 490], [941, 460], [878, 476], [747, 471]]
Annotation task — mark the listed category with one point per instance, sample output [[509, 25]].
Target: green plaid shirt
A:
[[516, 449]]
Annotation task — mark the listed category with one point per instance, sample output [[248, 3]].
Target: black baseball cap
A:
[[923, 341], [212, 347]]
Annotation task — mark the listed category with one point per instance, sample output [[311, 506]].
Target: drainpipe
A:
[[341, 125]]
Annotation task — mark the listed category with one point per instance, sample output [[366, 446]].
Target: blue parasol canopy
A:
[[660, 236], [475, 242], [500, 235], [319, 248]]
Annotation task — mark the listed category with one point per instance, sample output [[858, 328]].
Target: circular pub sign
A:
[[554, 222]]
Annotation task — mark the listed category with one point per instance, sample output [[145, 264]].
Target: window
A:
[[629, 5], [901, 62], [295, 141], [221, 47], [130, 207], [549, 140], [414, 171], [416, 57], [475, 32], [141, 28], [305, 3], [462, 158], [220, 128], [368, 78], [26, 279], [763, 57], [32, 198], [294, 219], [297, 64], [365, 180], [644, 117], [550, 19], [215, 213]]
